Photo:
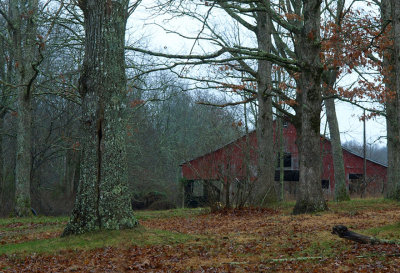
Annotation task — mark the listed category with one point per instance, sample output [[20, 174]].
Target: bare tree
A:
[[300, 55]]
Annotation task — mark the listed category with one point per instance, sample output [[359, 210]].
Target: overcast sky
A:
[[141, 25]]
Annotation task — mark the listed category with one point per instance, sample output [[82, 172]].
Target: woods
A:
[[185, 136], [95, 116]]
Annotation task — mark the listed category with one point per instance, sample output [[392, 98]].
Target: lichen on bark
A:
[[308, 112], [265, 139], [103, 201]]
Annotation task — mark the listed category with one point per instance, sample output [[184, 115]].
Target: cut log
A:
[[344, 232]]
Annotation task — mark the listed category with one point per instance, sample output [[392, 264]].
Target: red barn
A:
[[236, 162]]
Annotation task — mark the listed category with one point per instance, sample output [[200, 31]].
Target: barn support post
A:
[[182, 184]]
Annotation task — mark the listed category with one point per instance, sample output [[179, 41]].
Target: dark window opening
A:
[[355, 176], [287, 160], [325, 183], [287, 175]]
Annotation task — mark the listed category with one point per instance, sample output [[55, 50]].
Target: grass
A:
[[389, 231], [250, 237], [352, 206], [117, 238], [147, 214], [33, 219], [19, 227], [358, 204]]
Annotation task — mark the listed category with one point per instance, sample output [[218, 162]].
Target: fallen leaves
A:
[[249, 240]]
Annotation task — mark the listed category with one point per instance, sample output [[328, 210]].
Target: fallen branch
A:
[[345, 233], [282, 260], [294, 259], [279, 260]]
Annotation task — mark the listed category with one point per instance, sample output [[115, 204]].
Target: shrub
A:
[[162, 205]]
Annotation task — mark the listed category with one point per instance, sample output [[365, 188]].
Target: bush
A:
[[144, 201], [162, 205]]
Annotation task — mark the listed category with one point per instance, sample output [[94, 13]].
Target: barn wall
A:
[[237, 160]]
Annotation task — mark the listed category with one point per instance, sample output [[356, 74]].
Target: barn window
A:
[[325, 183], [355, 176], [285, 124], [287, 160], [289, 175]]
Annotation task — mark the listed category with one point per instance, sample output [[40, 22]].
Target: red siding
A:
[[229, 162]]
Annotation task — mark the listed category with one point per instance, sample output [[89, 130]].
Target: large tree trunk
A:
[[391, 9], [2, 184], [3, 111], [25, 52], [265, 137], [309, 102], [341, 191], [103, 200], [24, 157]]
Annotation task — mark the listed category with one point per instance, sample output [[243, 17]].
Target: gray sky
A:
[[157, 39]]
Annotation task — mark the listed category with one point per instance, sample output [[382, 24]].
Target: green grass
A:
[[141, 236], [33, 219], [358, 204], [121, 238], [388, 232], [353, 206], [25, 229], [147, 214], [328, 248]]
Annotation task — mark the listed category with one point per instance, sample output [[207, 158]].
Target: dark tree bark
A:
[[265, 137], [3, 111], [341, 190], [390, 9], [102, 200], [22, 19], [308, 111], [2, 184]]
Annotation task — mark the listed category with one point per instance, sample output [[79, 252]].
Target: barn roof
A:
[[219, 148], [253, 131], [369, 159]]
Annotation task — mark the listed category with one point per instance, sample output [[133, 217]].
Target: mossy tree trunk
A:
[[308, 111], [23, 31], [2, 184], [3, 111], [102, 200], [265, 137]]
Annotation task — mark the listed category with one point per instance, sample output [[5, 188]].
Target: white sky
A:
[[350, 125]]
